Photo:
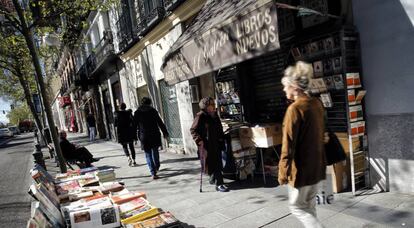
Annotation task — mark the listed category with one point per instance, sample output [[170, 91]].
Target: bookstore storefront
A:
[[246, 55]]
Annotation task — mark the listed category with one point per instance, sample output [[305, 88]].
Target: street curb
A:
[[6, 141]]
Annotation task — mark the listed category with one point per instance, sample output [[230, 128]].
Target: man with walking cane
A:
[[207, 133]]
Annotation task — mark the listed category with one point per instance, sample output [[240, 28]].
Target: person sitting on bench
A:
[[71, 151]]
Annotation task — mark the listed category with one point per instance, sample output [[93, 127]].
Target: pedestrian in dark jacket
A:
[[126, 132], [90, 120], [149, 123], [72, 152], [207, 133]]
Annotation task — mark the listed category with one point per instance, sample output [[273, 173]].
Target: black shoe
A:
[[212, 180], [222, 188], [95, 159]]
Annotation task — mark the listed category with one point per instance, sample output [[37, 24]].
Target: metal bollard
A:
[[36, 136], [38, 156]]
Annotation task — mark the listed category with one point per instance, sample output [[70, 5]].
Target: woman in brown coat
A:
[[303, 163], [207, 133]]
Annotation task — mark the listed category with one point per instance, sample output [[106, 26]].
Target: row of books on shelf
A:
[[352, 98], [327, 65], [334, 82], [316, 47], [90, 198]]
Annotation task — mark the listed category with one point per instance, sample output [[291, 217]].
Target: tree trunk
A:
[[99, 115], [35, 58], [29, 102]]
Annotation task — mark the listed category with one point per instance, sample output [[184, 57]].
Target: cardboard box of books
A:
[[341, 176], [344, 140], [261, 136]]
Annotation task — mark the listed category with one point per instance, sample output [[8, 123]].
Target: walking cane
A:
[[203, 165]]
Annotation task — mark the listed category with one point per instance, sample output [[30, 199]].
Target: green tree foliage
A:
[[14, 63], [19, 113]]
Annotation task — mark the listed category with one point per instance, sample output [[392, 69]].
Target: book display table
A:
[[91, 198]]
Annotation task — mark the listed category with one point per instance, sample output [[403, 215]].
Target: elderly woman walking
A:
[[303, 163], [207, 133]]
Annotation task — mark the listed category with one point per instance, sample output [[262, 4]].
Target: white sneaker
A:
[[129, 161]]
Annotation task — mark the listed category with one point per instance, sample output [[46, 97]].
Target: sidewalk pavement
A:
[[248, 204]]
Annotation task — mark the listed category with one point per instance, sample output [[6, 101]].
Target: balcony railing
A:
[[148, 18], [171, 5], [125, 34]]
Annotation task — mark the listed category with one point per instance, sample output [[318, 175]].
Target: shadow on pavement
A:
[[8, 145], [110, 156], [169, 172], [185, 225], [257, 182], [107, 167], [168, 161]]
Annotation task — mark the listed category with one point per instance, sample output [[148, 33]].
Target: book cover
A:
[[67, 186], [165, 219], [351, 96], [80, 195], [358, 128], [320, 84], [132, 205], [318, 68], [360, 95], [337, 63], [32, 223], [39, 216], [140, 214], [329, 83], [99, 216], [327, 65], [326, 100], [353, 80], [108, 187], [313, 48], [91, 181], [355, 113], [120, 199], [101, 213], [48, 203], [329, 44], [339, 83]]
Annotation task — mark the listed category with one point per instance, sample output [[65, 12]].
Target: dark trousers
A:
[[153, 160], [83, 155], [131, 147], [216, 169]]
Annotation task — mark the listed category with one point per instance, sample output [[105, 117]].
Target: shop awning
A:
[[222, 34]]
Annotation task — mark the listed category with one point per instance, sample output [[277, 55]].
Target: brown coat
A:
[[208, 129], [303, 159]]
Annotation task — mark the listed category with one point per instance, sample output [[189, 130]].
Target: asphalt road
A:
[[15, 162]]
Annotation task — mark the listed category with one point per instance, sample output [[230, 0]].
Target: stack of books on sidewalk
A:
[[91, 198], [105, 175]]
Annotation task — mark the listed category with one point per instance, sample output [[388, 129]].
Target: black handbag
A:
[[333, 149]]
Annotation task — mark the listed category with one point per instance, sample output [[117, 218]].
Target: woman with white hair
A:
[[303, 163], [207, 133]]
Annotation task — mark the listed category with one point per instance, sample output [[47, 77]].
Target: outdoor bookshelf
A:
[[335, 57]]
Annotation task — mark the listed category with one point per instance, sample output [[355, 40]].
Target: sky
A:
[[4, 105]]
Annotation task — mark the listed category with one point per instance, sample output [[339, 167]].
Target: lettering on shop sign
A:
[[243, 36], [324, 199]]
